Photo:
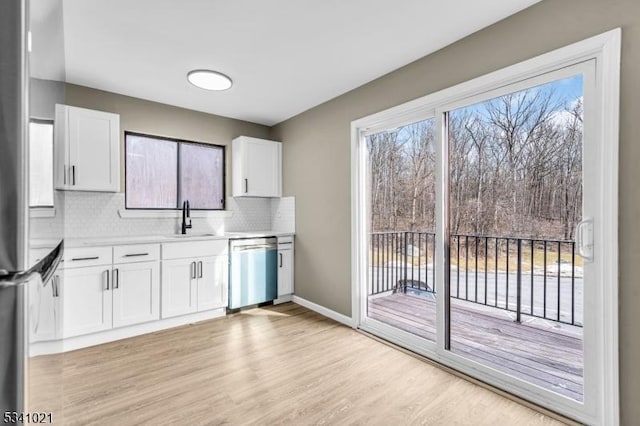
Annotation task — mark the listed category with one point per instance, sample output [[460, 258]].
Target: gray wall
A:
[[138, 115], [317, 151]]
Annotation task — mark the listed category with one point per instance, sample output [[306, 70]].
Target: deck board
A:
[[552, 359]]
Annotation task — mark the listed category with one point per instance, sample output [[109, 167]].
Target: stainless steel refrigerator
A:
[[16, 277]]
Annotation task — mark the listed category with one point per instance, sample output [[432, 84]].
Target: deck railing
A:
[[532, 277]]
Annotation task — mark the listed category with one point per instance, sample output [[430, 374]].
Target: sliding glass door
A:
[[515, 201], [484, 232], [401, 275]]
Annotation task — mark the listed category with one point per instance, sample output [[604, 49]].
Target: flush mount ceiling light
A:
[[209, 80]]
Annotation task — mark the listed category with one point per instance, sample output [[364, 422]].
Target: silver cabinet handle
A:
[[193, 270], [136, 254], [73, 174], [116, 278], [107, 279], [200, 269], [64, 174], [246, 186], [280, 259], [75, 259]]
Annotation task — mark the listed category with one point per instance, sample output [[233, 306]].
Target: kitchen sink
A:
[[179, 236]]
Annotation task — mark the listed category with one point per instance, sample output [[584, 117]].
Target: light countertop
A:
[[151, 239]]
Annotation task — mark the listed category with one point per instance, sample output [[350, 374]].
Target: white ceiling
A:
[[284, 56]]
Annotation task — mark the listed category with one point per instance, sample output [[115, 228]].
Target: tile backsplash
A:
[[95, 214]]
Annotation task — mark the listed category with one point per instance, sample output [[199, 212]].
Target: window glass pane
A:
[[40, 164], [151, 173], [201, 176]]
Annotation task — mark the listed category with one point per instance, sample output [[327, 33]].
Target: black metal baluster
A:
[[372, 245], [544, 282], [378, 263], [519, 282], [458, 269], [433, 264], [559, 265], [466, 267], [386, 264], [495, 270], [406, 257], [394, 259], [413, 252], [507, 283], [486, 269], [420, 249], [573, 283], [532, 261], [476, 281]]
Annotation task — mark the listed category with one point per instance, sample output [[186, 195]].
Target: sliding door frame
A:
[[605, 50]]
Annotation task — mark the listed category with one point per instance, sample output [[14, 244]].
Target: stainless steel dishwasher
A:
[[253, 271]]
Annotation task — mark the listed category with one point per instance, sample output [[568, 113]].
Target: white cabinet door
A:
[[212, 282], [87, 150], [136, 293], [44, 310], [257, 167], [86, 300], [285, 272], [179, 287]]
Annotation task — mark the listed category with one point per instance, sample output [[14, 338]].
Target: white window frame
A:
[[605, 50]]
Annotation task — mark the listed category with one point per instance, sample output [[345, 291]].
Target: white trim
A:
[[79, 342], [283, 299], [37, 212], [145, 214], [610, 92], [343, 319], [605, 50]]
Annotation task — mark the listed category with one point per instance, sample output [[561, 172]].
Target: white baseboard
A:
[[284, 299], [343, 319], [79, 342]]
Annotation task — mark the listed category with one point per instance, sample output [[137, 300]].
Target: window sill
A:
[[42, 212], [142, 214]]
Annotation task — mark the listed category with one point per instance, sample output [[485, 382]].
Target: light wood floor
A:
[[277, 365], [549, 358]]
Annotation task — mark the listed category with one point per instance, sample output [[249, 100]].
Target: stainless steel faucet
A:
[[186, 214]]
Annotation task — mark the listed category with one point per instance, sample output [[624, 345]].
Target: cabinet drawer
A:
[[86, 256], [285, 242], [190, 249], [136, 253]]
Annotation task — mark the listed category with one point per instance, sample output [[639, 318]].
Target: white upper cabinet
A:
[[87, 150], [257, 167]]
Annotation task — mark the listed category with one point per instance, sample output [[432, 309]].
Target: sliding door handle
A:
[[584, 239]]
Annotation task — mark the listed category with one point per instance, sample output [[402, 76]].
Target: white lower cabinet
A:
[[136, 293], [86, 300], [285, 266], [179, 287], [212, 282], [194, 277], [103, 293], [194, 285], [92, 298]]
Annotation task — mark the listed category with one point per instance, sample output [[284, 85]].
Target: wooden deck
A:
[[549, 358]]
